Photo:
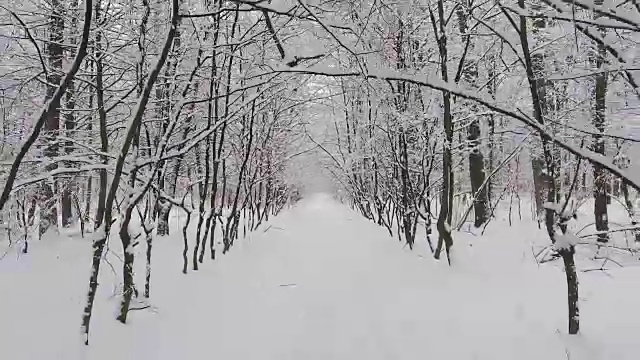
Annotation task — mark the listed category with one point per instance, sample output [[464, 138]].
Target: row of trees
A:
[[147, 110]]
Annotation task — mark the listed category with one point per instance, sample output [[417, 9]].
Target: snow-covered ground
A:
[[321, 282]]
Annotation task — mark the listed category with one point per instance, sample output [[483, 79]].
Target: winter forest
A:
[[319, 179]]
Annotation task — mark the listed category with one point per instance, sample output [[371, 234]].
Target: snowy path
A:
[[323, 283], [320, 283], [313, 287]]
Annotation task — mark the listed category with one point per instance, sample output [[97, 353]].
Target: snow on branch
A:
[[619, 16], [438, 84], [559, 14], [57, 172], [37, 128]]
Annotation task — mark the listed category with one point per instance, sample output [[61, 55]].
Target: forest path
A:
[[318, 284], [323, 283]]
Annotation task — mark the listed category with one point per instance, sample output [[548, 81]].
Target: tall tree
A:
[[600, 176], [52, 125], [476, 157]]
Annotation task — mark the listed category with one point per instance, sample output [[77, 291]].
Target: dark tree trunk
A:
[[406, 196], [67, 206], [147, 278], [444, 217], [572, 290], [163, 219], [537, 165], [492, 126], [127, 266], [69, 126], [476, 172], [202, 195], [476, 158], [600, 176], [102, 115], [52, 125], [89, 185], [600, 205], [185, 244]]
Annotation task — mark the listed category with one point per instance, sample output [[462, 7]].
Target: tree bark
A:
[[127, 265], [48, 199], [572, 290], [102, 116], [69, 127], [600, 176], [446, 199], [476, 157]]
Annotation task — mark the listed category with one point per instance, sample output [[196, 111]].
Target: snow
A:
[[557, 208], [321, 282], [566, 241]]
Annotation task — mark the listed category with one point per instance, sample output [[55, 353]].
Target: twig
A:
[[271, 226], [31, 38], [604, 271]]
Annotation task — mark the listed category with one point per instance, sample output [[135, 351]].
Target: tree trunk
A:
[[444, 218], [537, 166], [476, 172], [572, 290], [163, 218], [102, 115], [599, 122], [49, 213], [69, 126], [147, 278], [492, 88], [406, 196], [185, 243], [476, 158], [127, 266]]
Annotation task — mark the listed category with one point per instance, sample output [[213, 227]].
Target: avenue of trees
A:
[[116, 114]]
